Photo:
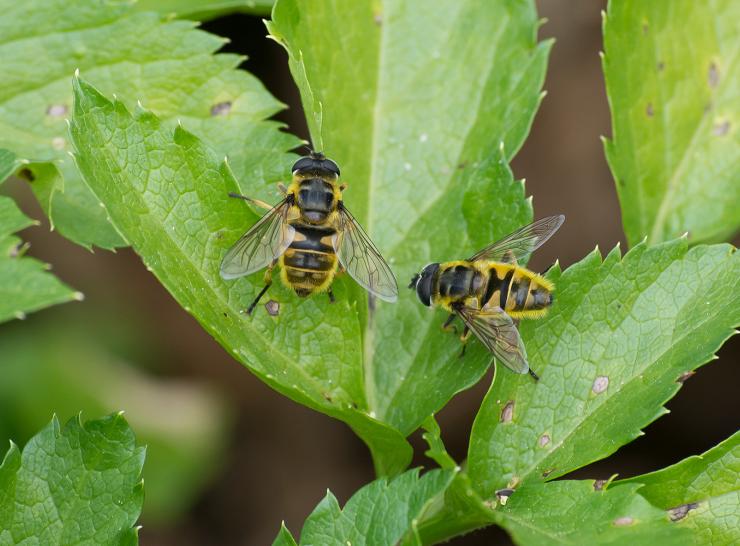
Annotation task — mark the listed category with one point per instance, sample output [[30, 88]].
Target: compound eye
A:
[[329, 165], [302, 163]]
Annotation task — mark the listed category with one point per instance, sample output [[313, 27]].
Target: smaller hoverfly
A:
[[305, 233], [488, 291]]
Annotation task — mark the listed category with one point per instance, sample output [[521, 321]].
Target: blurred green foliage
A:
[[75, 365]]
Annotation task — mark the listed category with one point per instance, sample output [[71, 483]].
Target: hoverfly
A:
[[488, 291], [305, 233]]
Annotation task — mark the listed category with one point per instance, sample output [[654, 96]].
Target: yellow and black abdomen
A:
[[520, 292], [309, 264]]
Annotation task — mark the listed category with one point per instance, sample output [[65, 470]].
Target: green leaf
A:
[[78, 485], [415, 104], [8, 164], [284, 538], [78, 367], [166, 64], [379, 514], [25, 283], [203, 10], [611, 352], [701, 493], [672, 73], [437, 451], [167, 193], [580, 512]]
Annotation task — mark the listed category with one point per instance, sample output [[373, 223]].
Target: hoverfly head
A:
[[316, 164], [424, 283]]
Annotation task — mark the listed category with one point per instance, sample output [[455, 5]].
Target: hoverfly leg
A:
[[268, 283], [534, 375], [447, 326], [330, 293], [282, 188], [257, 202], [464, 338]]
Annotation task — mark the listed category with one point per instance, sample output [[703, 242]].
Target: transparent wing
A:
[[497, 332], [258, 247], [520, 244], [361, 259]]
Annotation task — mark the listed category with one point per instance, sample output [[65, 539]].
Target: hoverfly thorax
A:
[[315, 198], [424, 283]]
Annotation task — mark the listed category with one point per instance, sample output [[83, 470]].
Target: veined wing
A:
[[497, 332], [520, 244], [361, 259], [264, 242]]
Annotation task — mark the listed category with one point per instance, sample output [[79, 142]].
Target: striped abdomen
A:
[[308, 265], [518, 291]]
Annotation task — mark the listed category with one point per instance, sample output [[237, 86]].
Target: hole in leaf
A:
[[679, 512], [600, 384], [273, 308], [507, 413], [221, 108]]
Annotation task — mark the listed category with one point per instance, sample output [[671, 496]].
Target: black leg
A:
[[330, 293], [448, 323], [464, 338], [257, 299], [536, 377]]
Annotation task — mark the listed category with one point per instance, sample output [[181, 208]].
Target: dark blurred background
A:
[[229, 458]]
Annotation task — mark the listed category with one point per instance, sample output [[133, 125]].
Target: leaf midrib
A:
[[369, 328]]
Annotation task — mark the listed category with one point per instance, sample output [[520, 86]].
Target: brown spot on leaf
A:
[[547, 472], [273, 308], [713, 75], [507, 413], [685, 376], [721, 128], [56, 110], [679, 512], [649, 110], [600, 384], [599, 484], [462, 165], [661, 66], [221, 108], [623, 521]]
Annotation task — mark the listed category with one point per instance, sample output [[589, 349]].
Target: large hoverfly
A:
[[489, 291], [305, 233]]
